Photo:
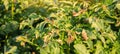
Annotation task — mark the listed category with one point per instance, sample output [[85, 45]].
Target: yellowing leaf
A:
[[66, 2], [20, 38], [22, 44], [37, 34], [106, 9], [6, 2], [59, 41], [118, 5], [46, 39], [118, 24], [68, 25]]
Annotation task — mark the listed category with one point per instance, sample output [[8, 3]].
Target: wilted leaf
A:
[[118, 24], [70, 39], [46, 39], [45, 26], [84, 35], [33, 52], [78, 13]]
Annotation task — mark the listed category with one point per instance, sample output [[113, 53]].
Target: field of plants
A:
[[59, 27]]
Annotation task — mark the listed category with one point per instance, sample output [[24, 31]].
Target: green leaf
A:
[[10, 26], [23, 24], [33, 15], [118, 5], [6, 2], [98, 24], [12, 50], [81, 49], [56, 50], [42, 51], [99, 48], [41, 26]]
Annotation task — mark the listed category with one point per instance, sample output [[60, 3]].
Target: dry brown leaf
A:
[[104, 7], [75, 14], [84, 35], [70, 39], [78, 13], [50, 21], [46, 39], [118, 24], [22, 44], [59, 41], [33, 53]]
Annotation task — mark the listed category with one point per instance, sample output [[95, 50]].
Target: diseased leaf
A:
[[70, 39], [60, 26], [78, 13], [84, 35]]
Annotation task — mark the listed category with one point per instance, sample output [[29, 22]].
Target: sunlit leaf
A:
[[81, 49], [118, 5], [99, 47], [6, 2], [59, 26], [12, 50]]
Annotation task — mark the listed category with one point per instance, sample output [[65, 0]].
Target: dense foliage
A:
[[60, 26]]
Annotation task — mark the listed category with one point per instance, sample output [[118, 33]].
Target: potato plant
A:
[[59, 27]]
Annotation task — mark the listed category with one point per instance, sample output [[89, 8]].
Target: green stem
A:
[[12, 9]]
